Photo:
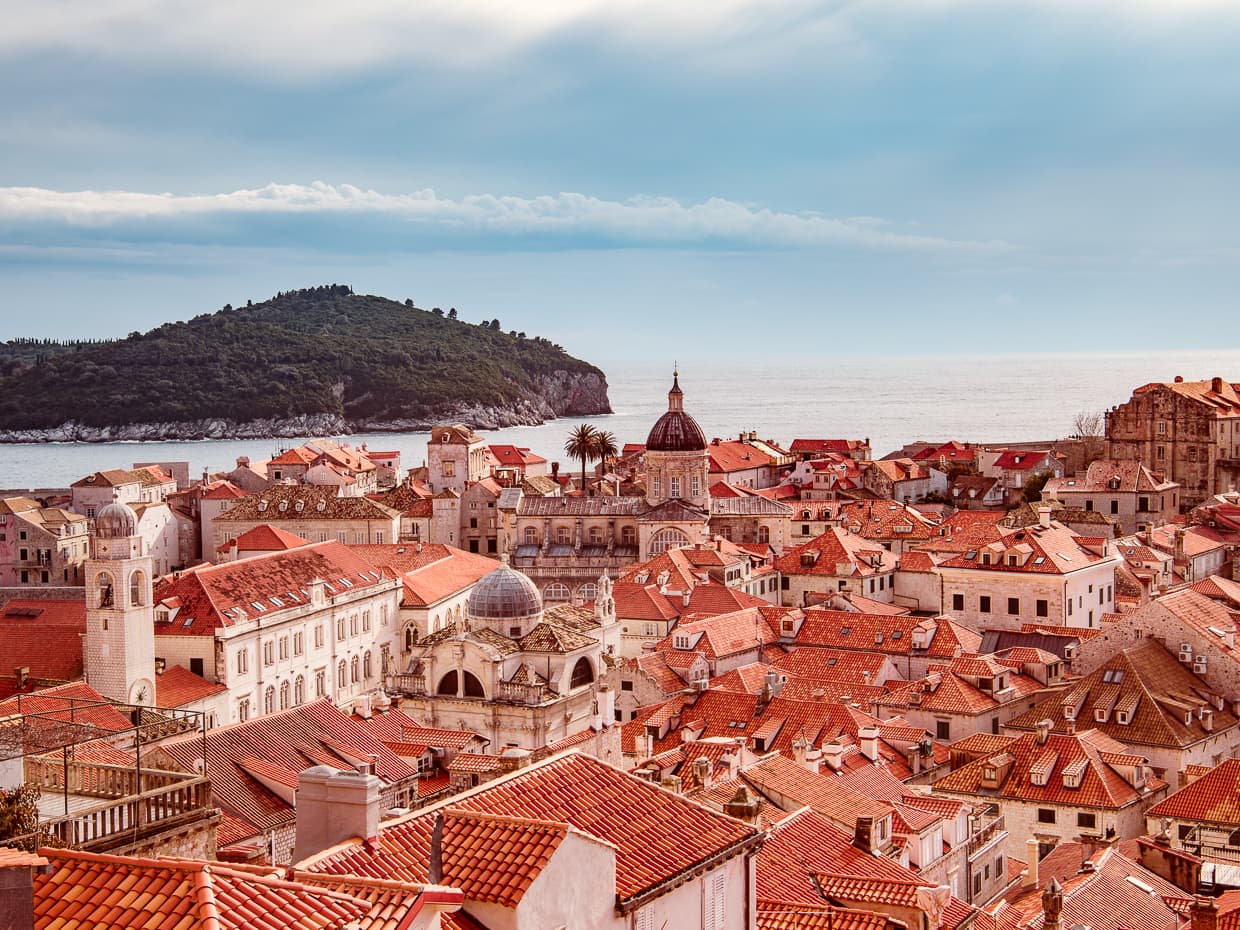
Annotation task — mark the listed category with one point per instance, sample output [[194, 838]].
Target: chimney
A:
[[1203, 914], [833, 755], [867, 739], [1043, 728], [17, 889], [703, 772], [514, 757], [1052, 906], [1031, 863], [863, 834], [1179, 545], [743, 806], [605, 701], [334, 806], [1044, 516], [1216, 385]]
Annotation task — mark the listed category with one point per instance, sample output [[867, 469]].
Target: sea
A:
[[891, 400]]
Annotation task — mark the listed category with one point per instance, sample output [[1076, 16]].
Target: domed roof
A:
[[676, 431], [116, 521], [504, 594]]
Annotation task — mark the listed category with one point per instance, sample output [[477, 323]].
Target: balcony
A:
[[96, 807], [409, 684], [986, 836]]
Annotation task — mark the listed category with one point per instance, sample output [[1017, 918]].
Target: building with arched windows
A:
[[512, 671], [565, 543]]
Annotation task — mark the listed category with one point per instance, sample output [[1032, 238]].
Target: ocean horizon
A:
[[891, 400]]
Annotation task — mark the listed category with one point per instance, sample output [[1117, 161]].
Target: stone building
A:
[[455, 457], [318, 514], [512, 672], [1137, 498], [41, 546], [1188, 431]]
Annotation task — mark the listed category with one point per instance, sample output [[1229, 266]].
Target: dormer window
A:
[[682, 641]]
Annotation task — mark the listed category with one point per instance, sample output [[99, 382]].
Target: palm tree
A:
[[580, 444], [605, 447]]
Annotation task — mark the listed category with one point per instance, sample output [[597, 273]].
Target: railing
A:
[[96, 780], [520, 694], [116, 823], [985, 836], [409, 684]]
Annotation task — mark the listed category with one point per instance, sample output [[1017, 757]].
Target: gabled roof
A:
[[285, 502], [429, 572], [835, 553], [788, 783], [178, 686], [725, 634], [657, 835], [1213, 798], [892, 635], [289, 741], [265, 538], [89, 891]]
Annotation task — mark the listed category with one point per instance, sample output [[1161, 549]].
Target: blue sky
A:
[[632, 178]]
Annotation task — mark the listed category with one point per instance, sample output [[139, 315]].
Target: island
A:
[[315, 361]]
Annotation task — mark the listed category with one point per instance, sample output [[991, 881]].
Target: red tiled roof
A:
[[429, 572], [657, 835], [723, 635], [178, 686], [836, 552], [210, 595], [88, 891], [44, 636], [783, 915], [1213, 798], [265, 538]]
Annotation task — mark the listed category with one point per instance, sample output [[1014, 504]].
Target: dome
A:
[[676, 431], [504, 594], [115, 521]]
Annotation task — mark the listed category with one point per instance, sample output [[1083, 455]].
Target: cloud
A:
[[301, 38], [636, 221]]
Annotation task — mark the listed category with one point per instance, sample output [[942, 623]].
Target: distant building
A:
[[1136, 497], [1188, 431], [41, 546]]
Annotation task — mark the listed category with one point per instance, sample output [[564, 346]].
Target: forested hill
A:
[[369, 361]]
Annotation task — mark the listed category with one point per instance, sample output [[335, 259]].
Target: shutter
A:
[[714, 902], [641, 920]]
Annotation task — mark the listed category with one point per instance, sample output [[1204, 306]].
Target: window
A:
[[269, 700], [1069, 607], [957, 602], [269, 654], [299, 643], [654, 484], [1046, 815], [626, 686], [449, 469], [355, 670], [473, 523], [299, 690], [531, 536], [556, 591], [340, 629], [195, 666], [137, 589], [320, 682], [283, 647], [596, 536], [669, 538], [1143, 504], [628, 535], [1013, 605], [983, 603], [318, 636], [366, 669], [1086, 820], [695, 486], [673, 486], [243, 661], [764, 534], [243, 709], [342, 674], [1041, 608], [942, 729], [365, 621], [1114, 507]]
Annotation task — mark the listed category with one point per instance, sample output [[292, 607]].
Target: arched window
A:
[[669, 538], [556, 591], [269, 700], [473, 687], [342, 672], [355, 669], [284, 693], [588, 591], [583, 674], [366, 669], [447, 684], [299, 691], [531, 536], [411, 635], [105, 590], [137, 589], [628, 535]]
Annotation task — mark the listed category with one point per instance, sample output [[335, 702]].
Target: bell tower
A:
[[119, 650]]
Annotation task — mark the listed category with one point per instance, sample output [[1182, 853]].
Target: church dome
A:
[[504, 594], [676, 431], [116, 521]]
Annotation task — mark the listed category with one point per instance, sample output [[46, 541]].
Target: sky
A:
[[702, 179]]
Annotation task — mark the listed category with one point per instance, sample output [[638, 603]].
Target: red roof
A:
[[44, 636], [89, 891], [214, 596], [1213, 798], [657, 835], [429, 572], [265, 538], [178, 686]]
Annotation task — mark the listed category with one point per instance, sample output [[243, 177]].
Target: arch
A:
[[557, 591], [583, 673], [137, 588], [299, 691], [284, 695], [587, 591], [473, 687], [667, 538], [106, 595], [448, 684], [269, 700], [411, 637]]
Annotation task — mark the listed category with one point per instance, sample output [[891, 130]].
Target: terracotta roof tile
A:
[[1213, 798], [178, 686]]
